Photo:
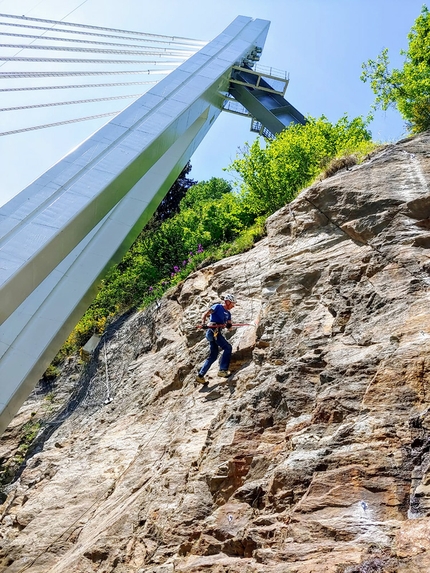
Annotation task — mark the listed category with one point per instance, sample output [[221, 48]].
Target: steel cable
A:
[[147, 51], [65, 122], [191, 49], [102, 28], [74, 86], [88, 61], [73, 102], [163, 54], [51, 29], [14, 75]]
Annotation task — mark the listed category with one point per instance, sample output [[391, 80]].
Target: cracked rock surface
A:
[[314, 456]]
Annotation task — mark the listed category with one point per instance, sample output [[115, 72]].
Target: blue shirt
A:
[[219, 314]]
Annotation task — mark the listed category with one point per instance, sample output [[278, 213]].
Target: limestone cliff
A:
[[313, 457]]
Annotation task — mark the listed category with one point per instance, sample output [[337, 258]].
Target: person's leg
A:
[[226, 355], [213, 354]]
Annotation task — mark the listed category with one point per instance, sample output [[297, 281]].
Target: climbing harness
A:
[[205, 326], [216, 328]]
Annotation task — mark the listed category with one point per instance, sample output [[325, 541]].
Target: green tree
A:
[[272, 176], [202, 219], [408, 88], [169, 206], [213, 189], [206, 215]]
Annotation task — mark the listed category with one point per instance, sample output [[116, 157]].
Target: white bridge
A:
[[61, 233]]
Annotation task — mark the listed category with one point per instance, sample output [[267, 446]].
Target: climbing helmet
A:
[[230, 297]]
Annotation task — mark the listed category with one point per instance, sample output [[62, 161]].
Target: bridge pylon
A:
[[60, 234]]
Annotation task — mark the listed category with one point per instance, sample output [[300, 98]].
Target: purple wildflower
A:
[[176, 269]]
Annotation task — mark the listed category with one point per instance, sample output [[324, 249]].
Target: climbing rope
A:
[[108, 397], [254, 322]]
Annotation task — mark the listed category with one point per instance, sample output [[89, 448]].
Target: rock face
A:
[[313, 457]]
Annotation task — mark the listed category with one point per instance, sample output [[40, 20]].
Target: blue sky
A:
[[321, 43]]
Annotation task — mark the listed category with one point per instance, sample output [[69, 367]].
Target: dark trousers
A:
[[216, 341]]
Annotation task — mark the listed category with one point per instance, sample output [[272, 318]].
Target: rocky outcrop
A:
[[313, 457]]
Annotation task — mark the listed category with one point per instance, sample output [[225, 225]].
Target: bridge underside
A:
[[59, 235], [262, 101]]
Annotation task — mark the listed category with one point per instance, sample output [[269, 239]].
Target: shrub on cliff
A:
[[272, 175]]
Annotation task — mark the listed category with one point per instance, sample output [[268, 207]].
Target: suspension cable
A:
[[160, 54], [147, 51], [90, 60], [67, 121], [197, 43], [14, 75], [108, 85], [191, 49], [90, 27], [78, 101]]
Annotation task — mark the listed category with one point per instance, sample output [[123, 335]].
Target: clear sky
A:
[[321, 43]]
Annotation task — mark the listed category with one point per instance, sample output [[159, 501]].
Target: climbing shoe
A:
[[224, 373], [200, 379]]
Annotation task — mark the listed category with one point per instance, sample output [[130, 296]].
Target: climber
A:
[[220, 317]]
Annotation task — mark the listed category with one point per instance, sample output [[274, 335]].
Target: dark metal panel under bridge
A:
[[264, 101]]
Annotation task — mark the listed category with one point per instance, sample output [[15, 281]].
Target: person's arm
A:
[[206, 315]]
